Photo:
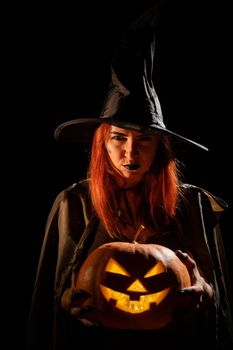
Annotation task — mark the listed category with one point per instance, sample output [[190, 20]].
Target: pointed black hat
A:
[[131, 101]]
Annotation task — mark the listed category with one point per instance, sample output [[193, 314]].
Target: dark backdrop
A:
[[56, 67]]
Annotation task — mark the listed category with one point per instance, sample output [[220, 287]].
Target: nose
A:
[[131, 149]]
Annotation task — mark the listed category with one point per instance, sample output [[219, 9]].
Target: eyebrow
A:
[[122, 134], [118, 133]]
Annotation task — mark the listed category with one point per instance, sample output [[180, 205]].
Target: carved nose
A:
[[136, 286]]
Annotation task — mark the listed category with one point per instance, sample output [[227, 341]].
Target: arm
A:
[[64, 226], [203, 239], [199, 294]]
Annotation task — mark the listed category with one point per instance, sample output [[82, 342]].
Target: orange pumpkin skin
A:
[[132, 285]]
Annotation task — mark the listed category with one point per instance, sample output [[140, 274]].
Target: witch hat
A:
[[131, 101]]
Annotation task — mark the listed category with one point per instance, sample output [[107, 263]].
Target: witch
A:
[[133, 181]]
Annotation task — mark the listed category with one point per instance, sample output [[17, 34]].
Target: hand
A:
[[71, 300], [197, 294]]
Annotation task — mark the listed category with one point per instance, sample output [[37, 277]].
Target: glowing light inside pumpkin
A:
[[123, 301]]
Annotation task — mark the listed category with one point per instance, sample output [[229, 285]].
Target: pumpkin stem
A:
[[141, 227]]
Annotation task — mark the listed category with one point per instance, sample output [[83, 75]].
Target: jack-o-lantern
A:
[[132, 285]]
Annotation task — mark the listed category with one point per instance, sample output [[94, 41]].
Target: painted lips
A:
[[131, 166]]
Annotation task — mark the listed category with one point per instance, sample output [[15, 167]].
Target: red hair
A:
[[161, 188]]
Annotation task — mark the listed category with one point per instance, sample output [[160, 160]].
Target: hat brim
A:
[[82, 130]]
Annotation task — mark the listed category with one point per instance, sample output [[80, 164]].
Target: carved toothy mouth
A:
[[123, 302]]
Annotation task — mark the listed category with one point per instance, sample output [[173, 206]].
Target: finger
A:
[[66, 299], [190, 291], [78, 294], [79, 312], [88, 323], [71, 297], [186, 259], [187, 302], [181, 254]]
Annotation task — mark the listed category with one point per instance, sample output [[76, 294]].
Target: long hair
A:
[[161, 188]]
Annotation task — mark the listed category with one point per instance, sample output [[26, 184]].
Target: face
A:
[[135, 291], [131, 153]]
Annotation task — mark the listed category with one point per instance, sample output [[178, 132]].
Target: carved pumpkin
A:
[[132, 285]]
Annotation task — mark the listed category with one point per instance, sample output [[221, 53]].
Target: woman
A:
[[133, 191], [140, 185]]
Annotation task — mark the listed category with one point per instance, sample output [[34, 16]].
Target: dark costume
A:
[[73, 230]]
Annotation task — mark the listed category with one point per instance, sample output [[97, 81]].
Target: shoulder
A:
[[71, 211], [194, 195], [73, 199], [76, 190]]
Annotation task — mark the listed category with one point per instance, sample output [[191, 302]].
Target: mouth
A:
[[123, 302], [131, 166]]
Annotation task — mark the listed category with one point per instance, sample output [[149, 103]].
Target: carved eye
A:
[[155, 270], [114, 267]]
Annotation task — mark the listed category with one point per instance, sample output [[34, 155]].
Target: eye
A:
[[145, 138], [118, 138], [155, 270], [114, 267]]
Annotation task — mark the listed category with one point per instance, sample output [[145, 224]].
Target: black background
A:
[[56, 66]]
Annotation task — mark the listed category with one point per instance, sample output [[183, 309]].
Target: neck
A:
[[131, 187]]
